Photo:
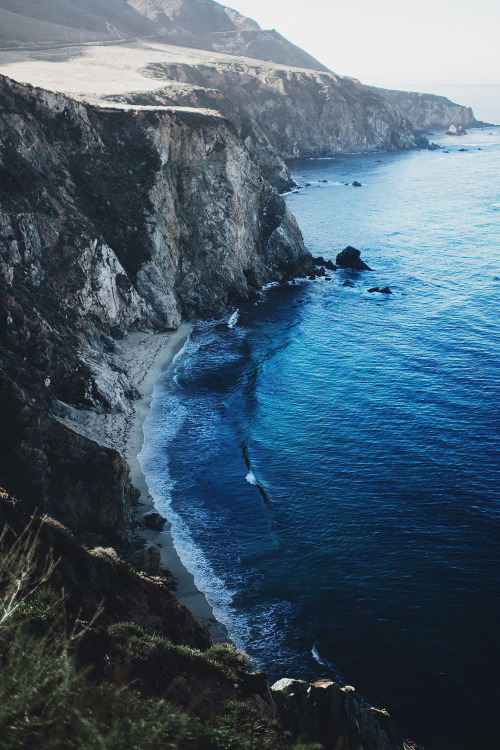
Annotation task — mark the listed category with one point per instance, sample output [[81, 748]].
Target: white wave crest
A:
[[250, 477]]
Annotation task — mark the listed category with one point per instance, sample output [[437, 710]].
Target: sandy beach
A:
[[146, 356]]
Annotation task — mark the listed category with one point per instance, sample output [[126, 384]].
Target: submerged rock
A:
[[351, 258]]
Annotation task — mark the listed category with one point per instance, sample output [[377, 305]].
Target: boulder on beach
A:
[[350, 258], [454, 130], [154, 521]]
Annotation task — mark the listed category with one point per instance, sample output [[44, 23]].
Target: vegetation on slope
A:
[[17, 30], [72, 682]]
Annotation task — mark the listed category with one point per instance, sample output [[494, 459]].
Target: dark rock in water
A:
[[329, 264], [348, 282], [379, 161], [350, 258], [356, 184], [295, 192], [308, 184], [479, 148], [446, 152], [454, 130], [321, 271], [323, 180], [153, 520], [463, 149], [434, 147], [312, 277], [346, 184], [385, 290], [328, 278]]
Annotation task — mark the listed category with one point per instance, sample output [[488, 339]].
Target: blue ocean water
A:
[[329, 457]]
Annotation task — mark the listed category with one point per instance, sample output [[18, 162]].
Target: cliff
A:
[[301, 113], [428, 111], [112, 221]]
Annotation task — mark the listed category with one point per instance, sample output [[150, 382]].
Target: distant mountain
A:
[[201, 24]]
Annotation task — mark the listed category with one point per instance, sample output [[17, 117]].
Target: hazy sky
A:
[[389, 42]]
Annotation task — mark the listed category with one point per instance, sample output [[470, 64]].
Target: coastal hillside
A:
[[109, 224], [201, 24], [283, 102], [428, 111], [302, 113]]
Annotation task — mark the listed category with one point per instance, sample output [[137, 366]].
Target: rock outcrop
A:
[[456, 130], [327, 713], [350, 257]]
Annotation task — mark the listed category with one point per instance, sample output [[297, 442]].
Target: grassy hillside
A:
[[77, 678], [62, 12], [16, 29]]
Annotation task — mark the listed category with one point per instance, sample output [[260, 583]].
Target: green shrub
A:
[[47, 704]]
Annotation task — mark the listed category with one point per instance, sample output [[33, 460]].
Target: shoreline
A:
[[146, 356]]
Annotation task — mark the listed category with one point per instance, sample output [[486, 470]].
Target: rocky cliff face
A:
[[111, 221], [428, 112], [300, 112], [330, 714]]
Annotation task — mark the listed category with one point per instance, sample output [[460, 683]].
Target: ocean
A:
[[329, 457]]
